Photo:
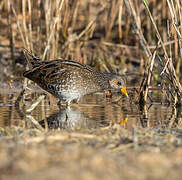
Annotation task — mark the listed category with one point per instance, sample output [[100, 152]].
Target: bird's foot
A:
[[68, 104]]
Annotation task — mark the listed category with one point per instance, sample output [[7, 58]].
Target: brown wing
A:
[[54, 70]]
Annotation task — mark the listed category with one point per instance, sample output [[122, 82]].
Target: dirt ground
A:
[[107, 153]]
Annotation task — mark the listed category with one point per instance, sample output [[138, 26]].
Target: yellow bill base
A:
[[123, 90]]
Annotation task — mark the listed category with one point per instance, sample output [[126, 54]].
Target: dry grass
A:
[[122, 36], [111, 35]]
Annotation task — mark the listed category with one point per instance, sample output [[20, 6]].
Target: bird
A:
[[69, 80]]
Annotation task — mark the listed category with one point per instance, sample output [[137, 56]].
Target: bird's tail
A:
[[31, 59]]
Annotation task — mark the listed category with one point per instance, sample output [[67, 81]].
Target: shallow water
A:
[[92, 111]]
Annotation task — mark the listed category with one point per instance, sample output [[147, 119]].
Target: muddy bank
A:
[[107, 153]]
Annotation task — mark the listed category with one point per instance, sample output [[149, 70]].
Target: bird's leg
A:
[[68, 104], [59, 103], [108, 95]]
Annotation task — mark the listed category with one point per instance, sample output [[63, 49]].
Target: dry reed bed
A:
[[111, 35]]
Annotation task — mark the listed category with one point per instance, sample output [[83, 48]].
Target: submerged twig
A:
[[34, 105], [35, 123]]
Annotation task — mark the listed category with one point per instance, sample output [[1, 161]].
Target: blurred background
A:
[[98, 33]]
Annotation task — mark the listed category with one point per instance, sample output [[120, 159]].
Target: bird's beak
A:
[[123, 90]]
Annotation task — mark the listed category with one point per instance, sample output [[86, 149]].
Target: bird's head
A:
[[117, 82]]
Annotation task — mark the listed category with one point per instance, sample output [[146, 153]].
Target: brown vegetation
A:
[[112, 35], [123, 36]]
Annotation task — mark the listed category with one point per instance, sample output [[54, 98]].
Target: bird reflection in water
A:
[[71, 118]]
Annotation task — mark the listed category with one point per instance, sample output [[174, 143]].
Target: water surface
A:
[[92, 111]]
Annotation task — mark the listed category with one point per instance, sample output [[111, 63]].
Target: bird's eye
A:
[[119, 83]]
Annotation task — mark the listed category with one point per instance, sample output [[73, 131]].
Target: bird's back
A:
[[64, 78]]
